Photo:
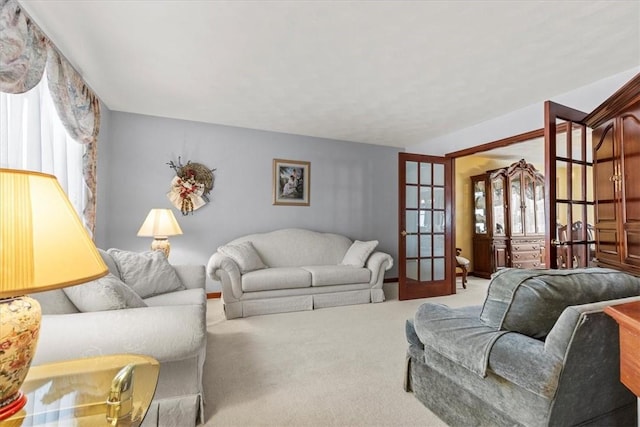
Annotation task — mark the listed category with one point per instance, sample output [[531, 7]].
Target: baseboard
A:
[[390, 280]]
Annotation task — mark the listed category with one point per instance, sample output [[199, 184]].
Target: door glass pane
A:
[[425, 246], [562, 180], [411, 192], [438, 222], [425, 198], [438, 198], [425, 173], [412, 269], [412, 222], [411, 173], [425, 270], [438, 269], [438, 245], [561, 141], [576, 142], [516, 210], [412, 246], [425, 222], [540, 216], [438, 174]]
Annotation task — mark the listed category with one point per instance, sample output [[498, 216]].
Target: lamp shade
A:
[[43, 244], [160, 223]]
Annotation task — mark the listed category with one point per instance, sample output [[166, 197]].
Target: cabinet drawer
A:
[[520, 247], [522, 256], [527, 264]]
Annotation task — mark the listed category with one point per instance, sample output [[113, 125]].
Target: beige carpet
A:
[[340, 366]]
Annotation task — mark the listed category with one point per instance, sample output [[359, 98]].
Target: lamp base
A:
[[161, 244], [13, 407], [19, 329]]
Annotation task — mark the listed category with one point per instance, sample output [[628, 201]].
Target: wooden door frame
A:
[[500, 143], [442, 288]]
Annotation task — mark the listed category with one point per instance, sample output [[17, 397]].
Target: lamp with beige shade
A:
[[160, 224], [43, 246]]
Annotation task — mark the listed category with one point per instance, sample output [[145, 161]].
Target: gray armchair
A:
[[539, 352]]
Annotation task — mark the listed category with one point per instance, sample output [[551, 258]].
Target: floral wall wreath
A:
[[191, 186]]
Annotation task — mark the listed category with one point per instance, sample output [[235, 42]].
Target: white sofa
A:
[[168, 326], [296, 269]]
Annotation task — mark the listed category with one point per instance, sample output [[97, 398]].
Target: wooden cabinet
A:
[[616, 153], [509, 219]]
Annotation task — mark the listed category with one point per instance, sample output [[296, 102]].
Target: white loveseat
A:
[[166, 320], [295, 269]]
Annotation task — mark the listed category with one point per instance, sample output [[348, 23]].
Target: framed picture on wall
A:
[[291, 182]]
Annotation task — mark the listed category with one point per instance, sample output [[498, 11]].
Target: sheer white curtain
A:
[[32, 137]]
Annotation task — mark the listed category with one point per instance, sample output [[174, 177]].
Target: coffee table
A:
[[113, 390]]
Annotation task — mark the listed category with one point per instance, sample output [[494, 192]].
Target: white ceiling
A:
[[392, 73]]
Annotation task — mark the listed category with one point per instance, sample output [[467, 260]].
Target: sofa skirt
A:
[[178, 411]]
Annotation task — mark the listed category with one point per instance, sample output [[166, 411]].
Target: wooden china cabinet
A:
[[509, 219], [616, 157]]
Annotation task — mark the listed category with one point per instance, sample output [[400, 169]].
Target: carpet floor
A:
[[339, 366]]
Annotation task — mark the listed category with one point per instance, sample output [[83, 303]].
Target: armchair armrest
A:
[[132, 330], [560, 336], [225, 270], [524, 361]]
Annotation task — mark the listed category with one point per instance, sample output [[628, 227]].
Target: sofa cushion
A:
[[530, 301], [148, 273], [195, 296], [327, 275], [245, 255], [358, 253], [105, 293], [111, 264], [276, 278]]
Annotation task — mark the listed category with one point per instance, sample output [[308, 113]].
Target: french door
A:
[[425, 252], [570, 241]]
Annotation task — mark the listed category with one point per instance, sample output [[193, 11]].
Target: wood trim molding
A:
[[214, 295], [626, 95], [538, 133], [390, 280]]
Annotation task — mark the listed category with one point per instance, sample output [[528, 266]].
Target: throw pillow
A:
[[105, 293], [147, 273], [245, 255], [358, 253]]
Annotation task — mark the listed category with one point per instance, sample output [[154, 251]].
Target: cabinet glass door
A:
[[516, 206], [498, 202], [529, 206], [480, 209]]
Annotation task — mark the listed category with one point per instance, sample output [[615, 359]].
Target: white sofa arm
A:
[[225, 270], [378, 263], [132, 330]]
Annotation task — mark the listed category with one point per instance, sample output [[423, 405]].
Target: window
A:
[[32, 137]]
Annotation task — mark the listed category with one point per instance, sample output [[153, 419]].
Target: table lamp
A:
[[160, 224], [43, 246]]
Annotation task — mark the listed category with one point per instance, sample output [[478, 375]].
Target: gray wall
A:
[[353, 186]]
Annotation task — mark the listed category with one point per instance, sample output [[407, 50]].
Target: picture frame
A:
[[291, 182]]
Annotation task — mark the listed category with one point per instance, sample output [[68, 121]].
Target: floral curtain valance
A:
[[24, 53]]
